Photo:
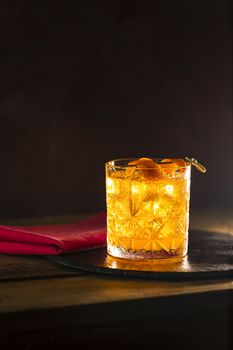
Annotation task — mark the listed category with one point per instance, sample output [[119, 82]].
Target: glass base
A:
[[120, 252]]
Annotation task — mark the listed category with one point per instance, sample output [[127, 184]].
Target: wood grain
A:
[[90, 290], [13, 267]]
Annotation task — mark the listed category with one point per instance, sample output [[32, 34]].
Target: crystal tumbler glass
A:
[[148, 208]]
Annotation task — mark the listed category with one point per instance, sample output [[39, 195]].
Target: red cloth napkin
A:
[[54, 239]]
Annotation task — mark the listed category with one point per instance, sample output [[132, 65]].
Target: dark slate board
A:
[[210, 256]]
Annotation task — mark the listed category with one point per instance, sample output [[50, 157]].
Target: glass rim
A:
[[112, 163]]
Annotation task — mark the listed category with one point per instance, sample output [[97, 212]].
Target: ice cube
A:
[[143, 192], [164, 206]]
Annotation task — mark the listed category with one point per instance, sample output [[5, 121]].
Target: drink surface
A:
[[148, 211]]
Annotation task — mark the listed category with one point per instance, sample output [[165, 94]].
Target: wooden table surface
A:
[[62, 305]]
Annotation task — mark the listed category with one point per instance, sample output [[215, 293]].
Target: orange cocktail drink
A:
[[148, 208]]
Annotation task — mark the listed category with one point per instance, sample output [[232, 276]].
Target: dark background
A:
[[83, 82]]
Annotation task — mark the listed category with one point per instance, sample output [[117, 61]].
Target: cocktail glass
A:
[[148, 208]]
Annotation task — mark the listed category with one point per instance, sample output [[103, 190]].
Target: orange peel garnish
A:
[[177, 161], [148, 168], [169, 165]]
